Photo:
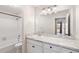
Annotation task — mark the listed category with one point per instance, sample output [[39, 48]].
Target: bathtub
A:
[[11, 48]]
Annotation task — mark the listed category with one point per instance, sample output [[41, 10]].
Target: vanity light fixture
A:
[[43, 11], [48, 10]]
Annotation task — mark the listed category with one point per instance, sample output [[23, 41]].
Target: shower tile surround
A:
[[8, 30]]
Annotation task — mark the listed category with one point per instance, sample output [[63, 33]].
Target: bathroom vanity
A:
[[44, 44], [62, 27]]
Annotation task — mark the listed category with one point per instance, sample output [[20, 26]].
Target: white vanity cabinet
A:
[[50, 48], [34, 46]]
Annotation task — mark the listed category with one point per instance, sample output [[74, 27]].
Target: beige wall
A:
[[28, 15], [77, 22]]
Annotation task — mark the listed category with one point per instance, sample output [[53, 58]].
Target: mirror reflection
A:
[[62, 26]]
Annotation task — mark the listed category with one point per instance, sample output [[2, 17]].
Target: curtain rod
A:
[[10, 14]]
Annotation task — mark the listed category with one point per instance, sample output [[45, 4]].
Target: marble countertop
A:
[[66, 42]]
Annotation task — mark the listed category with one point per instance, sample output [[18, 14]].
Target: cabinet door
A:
[[49, 48], [73, 51], [33, 48], [46, 50]]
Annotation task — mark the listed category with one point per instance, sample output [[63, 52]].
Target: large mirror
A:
[[55, 23]]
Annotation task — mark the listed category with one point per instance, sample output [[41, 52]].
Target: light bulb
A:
[[54, 9], [48, 9]]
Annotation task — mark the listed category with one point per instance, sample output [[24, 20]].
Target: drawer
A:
[[55, 49], [34, 42]]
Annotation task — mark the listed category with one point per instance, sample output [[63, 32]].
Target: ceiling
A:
[[17, 9], [43, 6], [10, 9]]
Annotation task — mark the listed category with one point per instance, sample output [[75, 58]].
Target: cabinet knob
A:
[[50, 46], [33, 46], [70, 52]]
